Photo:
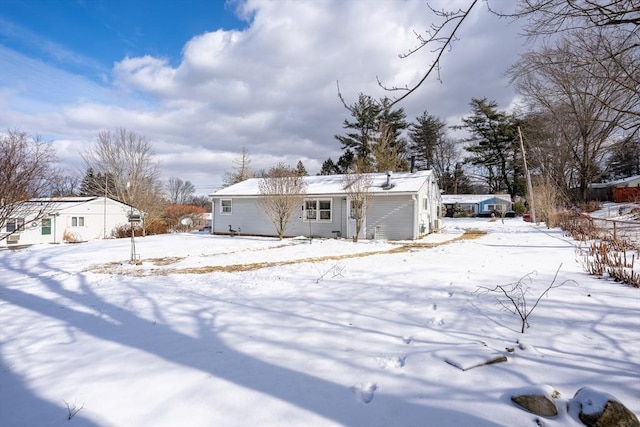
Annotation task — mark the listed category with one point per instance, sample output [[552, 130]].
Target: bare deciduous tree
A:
[[356, 184], [180, 192], [439, 38], [543, 18], [282, 192], [548, 17], [126, 157], [577, 105], [27, 169], [65, 185], [241, 169]]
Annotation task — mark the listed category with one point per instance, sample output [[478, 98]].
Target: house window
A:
[[15, 224], [77, 221], [425, 204], [46, 226], [225, 206], [496, 207], [317, 210]]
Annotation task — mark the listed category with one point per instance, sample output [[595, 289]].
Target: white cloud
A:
[[272, 87]]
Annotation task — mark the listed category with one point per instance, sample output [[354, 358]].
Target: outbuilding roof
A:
[[62, 203], [399, 182]]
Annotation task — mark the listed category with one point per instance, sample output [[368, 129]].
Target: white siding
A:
[[406, 209], [247, 216], [393, 216], [100, 217]]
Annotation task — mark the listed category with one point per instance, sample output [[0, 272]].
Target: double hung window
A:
[[46, 226], [225, 206], [14, 224], [317, 210]]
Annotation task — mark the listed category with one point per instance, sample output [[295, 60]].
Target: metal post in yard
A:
[[133, 243]]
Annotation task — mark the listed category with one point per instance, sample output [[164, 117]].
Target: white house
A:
[[477, 204], [66, 219], [401, 206]]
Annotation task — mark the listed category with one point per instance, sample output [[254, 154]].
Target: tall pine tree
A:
[[426, 134], [494, 147]]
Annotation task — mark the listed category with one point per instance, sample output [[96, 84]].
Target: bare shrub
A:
[[124, 230], [547, 197], [72, 410], [513, 297], [591, 206], [609, 257], [601, 251], [70, 237]]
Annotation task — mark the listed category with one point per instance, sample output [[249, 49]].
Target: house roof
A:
[[617, 183], [62, 203], [400, 182], [59, 203], [473, 198]]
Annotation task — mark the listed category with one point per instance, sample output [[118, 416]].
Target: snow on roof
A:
[[74, 199], [615, 183], [473, 198], [401, 182], [62, 203]]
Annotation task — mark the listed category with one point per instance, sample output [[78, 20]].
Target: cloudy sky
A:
[[204, 78]]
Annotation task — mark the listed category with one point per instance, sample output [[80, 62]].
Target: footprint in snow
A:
[[434, 307], [436, 321], [392, 361], [407, 340], [364, 392]]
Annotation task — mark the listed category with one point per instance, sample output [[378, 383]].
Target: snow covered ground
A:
[[244, 331]]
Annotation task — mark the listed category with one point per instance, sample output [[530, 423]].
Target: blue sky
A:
[[201, 79], [88, 36]]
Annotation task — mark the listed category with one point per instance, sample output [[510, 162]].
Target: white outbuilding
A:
[[64, 220]]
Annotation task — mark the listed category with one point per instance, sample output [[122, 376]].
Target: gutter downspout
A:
[[213, 214], [416, 216]]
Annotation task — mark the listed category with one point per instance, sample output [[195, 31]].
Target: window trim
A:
[[223, 207], [318, 212], [77, 221], [17, 225]]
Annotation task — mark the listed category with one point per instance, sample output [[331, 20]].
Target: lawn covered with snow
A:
[[245, 331]]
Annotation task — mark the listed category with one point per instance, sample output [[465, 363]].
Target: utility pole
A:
[[528, 176]]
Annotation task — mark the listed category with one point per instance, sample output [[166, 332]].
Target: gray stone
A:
[[536, 404], [615, 414], [603, 410]]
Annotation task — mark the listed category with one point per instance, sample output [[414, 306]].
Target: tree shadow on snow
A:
[[207, 353]]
